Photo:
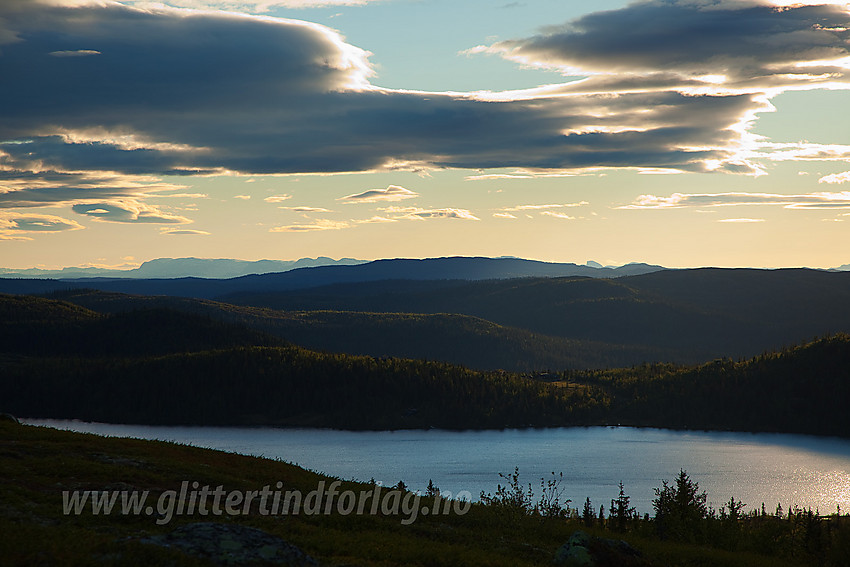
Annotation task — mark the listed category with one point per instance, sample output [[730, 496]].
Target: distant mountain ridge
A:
[[429, 269], [182, 268]]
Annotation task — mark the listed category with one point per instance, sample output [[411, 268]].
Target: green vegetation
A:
[[40, 463]]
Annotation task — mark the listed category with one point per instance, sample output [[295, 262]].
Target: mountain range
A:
[[499, 313], [182, 268], [454, 268]]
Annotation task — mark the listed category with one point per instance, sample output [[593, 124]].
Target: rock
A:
[[576, 552], [233, 544], [583, 550]]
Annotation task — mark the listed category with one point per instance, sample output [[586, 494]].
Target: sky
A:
[[676, 132]]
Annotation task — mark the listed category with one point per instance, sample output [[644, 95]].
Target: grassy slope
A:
[[39, 463]]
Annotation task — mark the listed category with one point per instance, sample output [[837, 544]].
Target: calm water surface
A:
[[755, 468]]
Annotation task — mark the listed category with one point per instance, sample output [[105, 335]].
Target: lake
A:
[[771, 468]]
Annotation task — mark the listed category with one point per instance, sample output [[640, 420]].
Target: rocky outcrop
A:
[[233, 545], [583, 550]]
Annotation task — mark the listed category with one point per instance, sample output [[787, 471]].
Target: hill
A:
[[459, 339], [685, 316], [162, 366], [800, 389], [213, 377]]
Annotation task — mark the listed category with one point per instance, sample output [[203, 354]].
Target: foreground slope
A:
[[40, 463]]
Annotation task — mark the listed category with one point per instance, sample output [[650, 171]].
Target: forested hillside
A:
[[683, 316], [161, 366], [446, 337]]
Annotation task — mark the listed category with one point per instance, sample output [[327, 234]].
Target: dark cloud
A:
[[175, 92], [736, 44]]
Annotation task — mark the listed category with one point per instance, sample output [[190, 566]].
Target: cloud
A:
[[682, 200], [243, 197], [25, 184], [492, 176], [558, 215], [186, 232], [127, 212], [177, 92], [321, 224], [306, 209], [843, 177], [257, 6], [277, 198], [504, 216], [741, 221], [671, 86], [376, 220], [705, 46], [180, 195], [391, 193], [77, 53], [544, 207], [416, 213], [13, 224]]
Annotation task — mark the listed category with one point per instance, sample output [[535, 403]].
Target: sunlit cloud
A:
[[243, 197], [180, 195], [306, 209], [558, 215], [277, 198], [318, 225], [504, 216], [17, 225], [391, 193], [182, 232], [683, 200], [417, 213], [497, 176], [127, 212], [77, 53], [375, 220], [544, 207], [741, 221], [843, 177]]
